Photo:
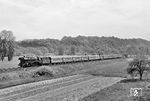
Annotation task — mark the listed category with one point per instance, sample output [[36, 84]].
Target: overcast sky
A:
[[29, 19]]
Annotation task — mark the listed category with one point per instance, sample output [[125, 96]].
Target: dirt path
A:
[[70, 88], [26, 90]]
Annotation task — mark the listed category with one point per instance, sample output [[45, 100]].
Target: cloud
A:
[[57, 18]]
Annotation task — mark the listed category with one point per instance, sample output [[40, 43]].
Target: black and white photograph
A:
[[74, 50]]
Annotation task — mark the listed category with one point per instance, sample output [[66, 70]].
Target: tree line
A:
[[70, 46], [84, 45]]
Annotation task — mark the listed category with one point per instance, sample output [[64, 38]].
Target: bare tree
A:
[[139, 66]]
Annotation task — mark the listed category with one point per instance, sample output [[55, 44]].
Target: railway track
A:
[[28, 91], [23, 69]]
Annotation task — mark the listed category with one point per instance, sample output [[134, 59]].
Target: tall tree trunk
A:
[[141, 74], [2, 57]]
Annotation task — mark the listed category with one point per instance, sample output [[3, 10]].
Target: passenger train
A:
[[51, 60]]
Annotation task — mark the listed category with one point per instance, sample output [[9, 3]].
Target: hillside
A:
[[82, 45]]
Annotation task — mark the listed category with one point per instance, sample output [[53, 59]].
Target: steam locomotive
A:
[[51, 60]]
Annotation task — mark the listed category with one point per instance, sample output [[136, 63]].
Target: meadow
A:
[[110, 68], [9, 64], [121, 92]]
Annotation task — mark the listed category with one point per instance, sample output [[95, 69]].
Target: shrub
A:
[[43, 72], [24, 75], [4, 77]]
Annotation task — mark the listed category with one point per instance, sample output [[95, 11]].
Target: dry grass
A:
[[115, 69], [9, 64], [120, 92]]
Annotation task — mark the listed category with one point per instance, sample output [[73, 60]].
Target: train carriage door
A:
[[88, 58], [72, 59], [50, 60], [62, 60]]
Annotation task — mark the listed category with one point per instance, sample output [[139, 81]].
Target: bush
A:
[[24, 75], [43, 72], [4, 77]]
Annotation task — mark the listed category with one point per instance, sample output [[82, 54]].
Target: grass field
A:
[[12, 64], [114, 68], [121, 92]]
